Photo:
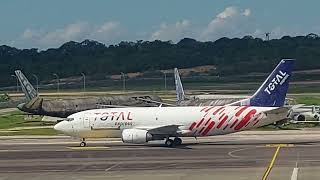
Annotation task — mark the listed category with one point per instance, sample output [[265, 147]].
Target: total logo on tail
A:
[[273, 91]]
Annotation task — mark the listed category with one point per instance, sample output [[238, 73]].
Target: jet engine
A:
[[136, 136], [299, 117]]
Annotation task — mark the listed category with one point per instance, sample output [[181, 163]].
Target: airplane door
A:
[[86, 121]]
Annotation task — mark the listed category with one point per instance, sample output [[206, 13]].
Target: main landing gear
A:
[[175, 142], [83, 143]]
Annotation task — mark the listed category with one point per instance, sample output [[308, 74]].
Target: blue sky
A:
[[44, 24]]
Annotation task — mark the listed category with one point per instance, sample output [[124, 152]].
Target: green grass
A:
[[11, 120], [309, 100], [18, 119], [40, 131], [289, 126]]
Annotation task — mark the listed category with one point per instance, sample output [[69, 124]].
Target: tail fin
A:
[[27, 88], [272, 92], [179, 87]]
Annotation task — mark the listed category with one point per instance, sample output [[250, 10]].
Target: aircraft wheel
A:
[[169, 142], [177, 141], [83, 144]]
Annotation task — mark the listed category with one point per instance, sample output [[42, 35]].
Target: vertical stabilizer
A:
[[179, 88], [272, 92], [27, 88]]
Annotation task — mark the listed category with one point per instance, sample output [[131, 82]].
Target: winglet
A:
[[179, 88], [27, 88]]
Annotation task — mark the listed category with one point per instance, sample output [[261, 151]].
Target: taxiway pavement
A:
[[237, 156]]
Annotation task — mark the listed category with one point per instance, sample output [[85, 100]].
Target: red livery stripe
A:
[[222, 121], [201, 130], [214, 113], [221, 111], [237, 107], [246, 119], [241, 110], [255, 123], [207, 121], [203, 109], [234, 123], [192, 126], [200, 122], [205, 132], [209, 109], [221, 116]]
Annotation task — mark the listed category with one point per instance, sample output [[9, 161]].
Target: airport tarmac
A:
[[244, 155]]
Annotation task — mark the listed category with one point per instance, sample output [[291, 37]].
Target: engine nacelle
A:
[[299, 117], [135, 136]]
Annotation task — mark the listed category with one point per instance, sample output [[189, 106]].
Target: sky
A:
[[48, 24]]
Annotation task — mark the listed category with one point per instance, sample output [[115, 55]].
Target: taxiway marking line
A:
[[281, 145], [294, 175], [271, 163], [88, 148]]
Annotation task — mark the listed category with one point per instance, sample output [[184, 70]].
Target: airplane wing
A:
[[279, 110], [157, 102], [162, 130], [296, 122], [110, 106]]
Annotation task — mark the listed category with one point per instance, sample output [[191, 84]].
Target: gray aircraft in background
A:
[[202, 100], [62, 108]]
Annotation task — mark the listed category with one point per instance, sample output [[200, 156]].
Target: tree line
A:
[[96, 60]]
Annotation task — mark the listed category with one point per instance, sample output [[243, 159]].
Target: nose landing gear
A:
[[83, 143]]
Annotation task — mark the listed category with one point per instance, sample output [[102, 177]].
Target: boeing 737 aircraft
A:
[[143, 124], [62, 108]]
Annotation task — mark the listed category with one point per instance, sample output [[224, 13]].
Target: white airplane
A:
[[143, 124], [305, 114]]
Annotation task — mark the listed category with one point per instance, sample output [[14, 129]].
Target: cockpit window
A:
[[69, 119]]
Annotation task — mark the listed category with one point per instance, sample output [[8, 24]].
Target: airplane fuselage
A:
[[192, 121], [64, 107]]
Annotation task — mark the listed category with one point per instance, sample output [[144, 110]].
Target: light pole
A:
[[17, 81], [37, 81], [165, 80], [123, 81], [58, 81], [84, 81]]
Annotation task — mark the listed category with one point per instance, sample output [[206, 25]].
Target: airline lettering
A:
[[115, 116], [280, 78]]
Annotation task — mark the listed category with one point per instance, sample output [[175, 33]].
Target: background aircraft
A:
[[203, 100], [143, 124], [62, 108], [306, 114]]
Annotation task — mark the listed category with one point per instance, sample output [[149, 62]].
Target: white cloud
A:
[[107, 32], [28, 34], [227, 13], [79, 31], [247, 12], [230, 22], [173, 32], [107, 27], [75, 32]]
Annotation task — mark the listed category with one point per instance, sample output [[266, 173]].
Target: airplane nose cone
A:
[[62, 126]]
